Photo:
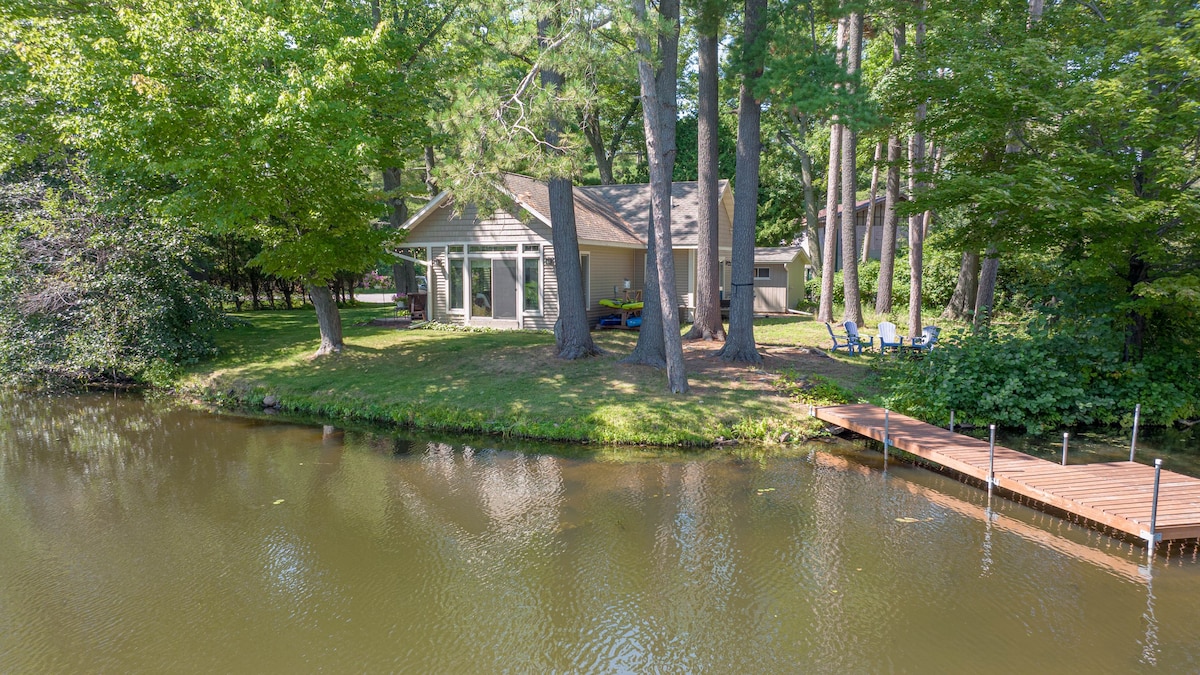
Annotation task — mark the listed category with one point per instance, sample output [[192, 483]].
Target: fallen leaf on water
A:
[[765, 490], [907, 520], [277, 501]]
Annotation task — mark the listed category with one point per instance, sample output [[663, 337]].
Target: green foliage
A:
[[814, 389], [256, 119], [1043, 375], [94, 292]]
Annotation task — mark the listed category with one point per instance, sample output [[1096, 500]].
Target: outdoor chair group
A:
[[853, 342]]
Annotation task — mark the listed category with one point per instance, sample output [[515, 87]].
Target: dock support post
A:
[[991, 456], [951, 420], [1153, 536], [887, 415], [1064, 462], [1137, 412]]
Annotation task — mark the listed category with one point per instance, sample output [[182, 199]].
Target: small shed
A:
[[779, 275]]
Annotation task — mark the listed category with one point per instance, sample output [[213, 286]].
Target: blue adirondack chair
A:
[[858, 340], [928, 339], [888, 338], [839, 342]]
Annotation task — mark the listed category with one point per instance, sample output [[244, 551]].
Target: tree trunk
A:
[[985, 296], [403, 272], [739, 345], [431, 185], [850, 297], [708, 324], [916, 229], [810, 212], [328, 319], [572, 337], [867, 236], [285, 289], [887, 251], [829, 246], [916, 223], [591, 131], [962, 301], [659, 110], [650, 349], [934, 157]]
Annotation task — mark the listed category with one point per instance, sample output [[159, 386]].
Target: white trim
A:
[[421, 215], [618, 244], [587, 283], [413, 260], [692, 273], [431, 286]]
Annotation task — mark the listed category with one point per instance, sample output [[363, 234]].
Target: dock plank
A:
[[1113, 494]]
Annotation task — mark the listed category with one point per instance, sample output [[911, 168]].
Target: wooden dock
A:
[[1114, 494]]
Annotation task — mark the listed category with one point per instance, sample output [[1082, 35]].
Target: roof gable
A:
[[615, 214]]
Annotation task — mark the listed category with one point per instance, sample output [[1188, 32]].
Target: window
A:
[[762, 272], [493, 249], [585, 273], [481, 287], [532, 292], [456, 249], [456, 283]]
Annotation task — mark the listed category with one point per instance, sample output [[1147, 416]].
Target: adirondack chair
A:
[[857, 340], [928, 339], [839, 342], [888, 338]]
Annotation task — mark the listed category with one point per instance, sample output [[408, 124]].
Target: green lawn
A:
[[510, 383]]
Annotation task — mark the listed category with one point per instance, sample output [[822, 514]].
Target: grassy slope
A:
[[507, 382]]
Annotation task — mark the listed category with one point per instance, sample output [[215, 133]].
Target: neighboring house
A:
[[498, 269], [860, 218], [779, 275]]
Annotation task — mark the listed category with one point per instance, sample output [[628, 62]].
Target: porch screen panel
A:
[[481, 287], [504, 297]]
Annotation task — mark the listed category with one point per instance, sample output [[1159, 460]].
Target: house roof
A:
[[594, 219], [860, 206], [632, 205], [778, 255], [617, 214]]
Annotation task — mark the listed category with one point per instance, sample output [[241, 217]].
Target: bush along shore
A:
[[502, 382]]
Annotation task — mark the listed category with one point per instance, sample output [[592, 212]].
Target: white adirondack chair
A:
[[888, 338]]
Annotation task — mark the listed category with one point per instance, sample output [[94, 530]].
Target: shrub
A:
[[1036, 375]]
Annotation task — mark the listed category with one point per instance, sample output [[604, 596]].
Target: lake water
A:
[[140, 538]]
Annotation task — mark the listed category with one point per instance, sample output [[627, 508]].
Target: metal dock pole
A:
[[1153, 536], [991, 456], [951, 420], [1137, 412], [886, 432], [1064, 462]]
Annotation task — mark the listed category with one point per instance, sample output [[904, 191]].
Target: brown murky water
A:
[[139, 538]]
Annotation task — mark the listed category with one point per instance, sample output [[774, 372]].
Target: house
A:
[[861, 210], [779, 276], [497, 269]]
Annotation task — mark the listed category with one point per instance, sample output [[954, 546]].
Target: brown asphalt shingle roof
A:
[[616, 213]]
